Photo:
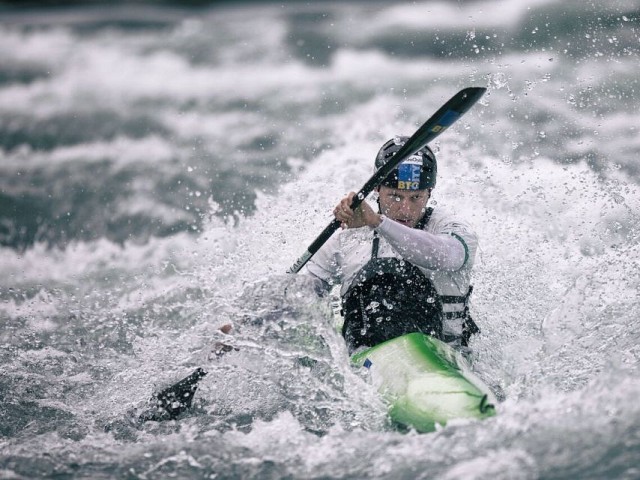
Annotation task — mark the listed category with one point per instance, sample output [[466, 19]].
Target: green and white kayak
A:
[[425, 381]]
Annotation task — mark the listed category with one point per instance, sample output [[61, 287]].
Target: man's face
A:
[[403, 206]]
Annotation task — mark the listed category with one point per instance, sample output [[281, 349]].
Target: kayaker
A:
[[404, 268]]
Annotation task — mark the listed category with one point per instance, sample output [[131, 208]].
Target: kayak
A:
[[425, 382]]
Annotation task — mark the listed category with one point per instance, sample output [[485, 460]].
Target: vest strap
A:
[[375, 245], [457, 299]]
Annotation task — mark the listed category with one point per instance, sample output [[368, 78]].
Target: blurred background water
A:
[[162, 166]]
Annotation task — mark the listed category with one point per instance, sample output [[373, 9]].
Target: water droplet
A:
[[498, 80]]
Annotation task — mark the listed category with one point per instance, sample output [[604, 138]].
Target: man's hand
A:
[[362, 216]]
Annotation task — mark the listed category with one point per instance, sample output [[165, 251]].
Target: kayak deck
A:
[[425, 381]]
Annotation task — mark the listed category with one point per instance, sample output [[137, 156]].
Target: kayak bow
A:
[[425, 381]]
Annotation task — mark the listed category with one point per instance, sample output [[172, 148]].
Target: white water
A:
[[544, 168]]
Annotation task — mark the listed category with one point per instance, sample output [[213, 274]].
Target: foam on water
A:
[[544, 168], [445, 15]]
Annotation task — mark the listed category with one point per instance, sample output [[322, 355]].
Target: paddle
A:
[[438, 123], [174, 400]]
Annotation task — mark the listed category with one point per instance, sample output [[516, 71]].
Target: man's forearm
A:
[[424, 249]]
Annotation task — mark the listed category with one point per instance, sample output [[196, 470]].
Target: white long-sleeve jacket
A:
[[444, 250]]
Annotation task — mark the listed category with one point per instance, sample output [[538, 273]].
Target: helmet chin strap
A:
[[377, 196], [424, 219]]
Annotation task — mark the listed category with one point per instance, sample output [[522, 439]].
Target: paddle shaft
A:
[[451, 111]]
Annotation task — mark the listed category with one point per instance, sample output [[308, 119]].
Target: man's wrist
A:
[[375, 221]]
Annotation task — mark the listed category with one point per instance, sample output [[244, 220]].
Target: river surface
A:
[[161, 168]]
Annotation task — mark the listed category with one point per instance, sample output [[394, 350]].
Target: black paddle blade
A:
[[446, 116], [174, 400]]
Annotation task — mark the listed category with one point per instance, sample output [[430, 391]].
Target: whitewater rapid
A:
[[163, 167]]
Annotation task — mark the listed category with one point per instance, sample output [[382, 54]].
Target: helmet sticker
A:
[[409, 173]]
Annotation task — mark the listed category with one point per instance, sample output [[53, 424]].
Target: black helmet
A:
[[418, 172]]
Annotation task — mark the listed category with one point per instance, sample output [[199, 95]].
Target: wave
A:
[[119, 131]]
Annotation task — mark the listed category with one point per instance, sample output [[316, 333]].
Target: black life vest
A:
[[389, 298]]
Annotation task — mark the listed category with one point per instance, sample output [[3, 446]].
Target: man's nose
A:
[[404, 203]]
